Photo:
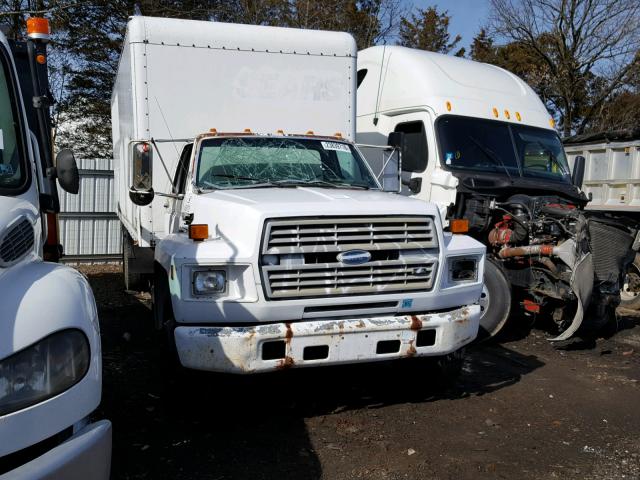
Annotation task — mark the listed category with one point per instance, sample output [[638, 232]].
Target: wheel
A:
[[630, 291], [132, 281], [495, 300]]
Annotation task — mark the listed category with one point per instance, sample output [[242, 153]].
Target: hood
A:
[[237, 215]]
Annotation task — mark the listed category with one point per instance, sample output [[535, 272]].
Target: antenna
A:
[[375, 114]]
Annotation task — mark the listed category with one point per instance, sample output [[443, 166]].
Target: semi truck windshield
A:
[[246, 162], [476, 144], [12, 171]]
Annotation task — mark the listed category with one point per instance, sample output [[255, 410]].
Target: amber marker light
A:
[[495, 112], [38, 28], [448, 106], [507, 114], [518, 116], [198, 232], [459, 225]]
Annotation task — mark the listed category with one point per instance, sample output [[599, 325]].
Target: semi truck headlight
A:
[[209, 281], [463, 269], [43, 370]]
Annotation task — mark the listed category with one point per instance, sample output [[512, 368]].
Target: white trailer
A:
[[483, 148], [50, 356], [612, 183], [271, 243]]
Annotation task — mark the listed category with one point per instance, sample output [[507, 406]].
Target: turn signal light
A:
[[198, 232], [459, 225], [38, 28]]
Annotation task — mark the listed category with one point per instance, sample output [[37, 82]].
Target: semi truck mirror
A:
[[67, 171], [578, 171], [391, 174], [141, 198]]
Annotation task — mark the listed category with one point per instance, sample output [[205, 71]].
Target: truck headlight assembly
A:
[[43, 370], [206, 282], [463, 269]]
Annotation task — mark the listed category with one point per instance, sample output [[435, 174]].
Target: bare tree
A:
[[589, 48]]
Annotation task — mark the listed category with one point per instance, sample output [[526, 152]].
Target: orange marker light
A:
[[337, 135], [552, 122], [448, 106], [280, 132], [309, 132], [41, 59], [518, 116], [213, 130], [495, 112], [198, 232], [459, 225], [247, 130], [38, 28], [506, 114]]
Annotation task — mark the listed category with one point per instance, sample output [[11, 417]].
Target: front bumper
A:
[[87, 454], [356, 340]]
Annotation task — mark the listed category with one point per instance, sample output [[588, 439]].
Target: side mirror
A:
[[67, 171], [578, 171], [393, 166], [141, 192], [141, 198]]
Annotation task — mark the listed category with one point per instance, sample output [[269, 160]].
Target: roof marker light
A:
[[38, 28], [280, 131], [310, 132], [552, 122], [495, 112], [247, 130], [506, 114], [518, 116], [448, 106], [337, 135], [213, 130]]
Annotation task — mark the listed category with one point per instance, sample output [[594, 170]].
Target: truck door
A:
[[173, 206]]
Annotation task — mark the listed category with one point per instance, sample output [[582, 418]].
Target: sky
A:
[[467, 16]]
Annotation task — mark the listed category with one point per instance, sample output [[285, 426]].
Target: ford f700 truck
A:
[[267, 239], [50, 357], [482, 146]]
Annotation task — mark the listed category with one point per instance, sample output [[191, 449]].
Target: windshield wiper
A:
[[491, 156], [320, 183]]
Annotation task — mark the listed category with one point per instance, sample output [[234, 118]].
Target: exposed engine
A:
[[560, 259]]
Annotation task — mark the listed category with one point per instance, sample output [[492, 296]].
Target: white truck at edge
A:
[[482, 147], [50, 355], [303, 260]]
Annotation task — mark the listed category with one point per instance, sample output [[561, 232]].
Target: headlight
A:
[[43, 370], [463, 269], [209, 281]]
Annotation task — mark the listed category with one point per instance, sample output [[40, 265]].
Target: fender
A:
[[41, 298]]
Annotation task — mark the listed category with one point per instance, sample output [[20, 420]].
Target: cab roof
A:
[[412, 79]]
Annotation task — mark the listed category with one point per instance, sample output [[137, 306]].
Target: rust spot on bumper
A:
[[286, 362], [416, 323], [411, 351], [289, 335]]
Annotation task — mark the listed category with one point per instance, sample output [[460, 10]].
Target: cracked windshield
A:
[[486, 145], [250, 162]]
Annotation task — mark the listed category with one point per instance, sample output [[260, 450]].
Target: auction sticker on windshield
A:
[[340, 147]]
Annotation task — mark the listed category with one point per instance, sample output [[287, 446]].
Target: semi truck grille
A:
[[17, 241], [302, 257]]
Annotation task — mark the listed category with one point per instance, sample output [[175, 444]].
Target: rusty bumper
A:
[[325, 342]]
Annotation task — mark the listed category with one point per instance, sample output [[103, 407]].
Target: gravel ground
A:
[[521, 409]]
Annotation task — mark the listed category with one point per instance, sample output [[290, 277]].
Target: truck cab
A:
[[50, 356], [482, 146], [273, 244]]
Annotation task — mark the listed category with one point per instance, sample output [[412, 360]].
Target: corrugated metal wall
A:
[[89, 226]]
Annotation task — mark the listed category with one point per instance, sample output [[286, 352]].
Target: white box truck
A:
[[271, 242], [612, 183], [50, 356], [482, 146]]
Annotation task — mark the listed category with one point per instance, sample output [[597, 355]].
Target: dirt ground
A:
[[521, 409]]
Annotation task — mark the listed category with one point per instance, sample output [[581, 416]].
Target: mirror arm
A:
[[177, 196], [164, 165]]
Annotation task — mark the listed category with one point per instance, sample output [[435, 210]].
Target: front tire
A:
[[495, 300]]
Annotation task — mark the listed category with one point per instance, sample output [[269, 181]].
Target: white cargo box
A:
[[180, 78], [612, 172]]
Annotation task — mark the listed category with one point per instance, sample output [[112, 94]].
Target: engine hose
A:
[[527, 251]]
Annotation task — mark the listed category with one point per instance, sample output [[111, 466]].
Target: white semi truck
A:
[[482, 146], [50, 357], [267, 239]]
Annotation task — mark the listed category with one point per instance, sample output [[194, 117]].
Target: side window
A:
[[180, 179], [361, 74], [416, 139]]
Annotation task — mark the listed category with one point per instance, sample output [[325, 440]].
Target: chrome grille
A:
[[341, 234], [403, 253], [16, 242]]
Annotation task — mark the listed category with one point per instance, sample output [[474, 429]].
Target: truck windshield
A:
[[12, 170], [476, 144], [246, 162]]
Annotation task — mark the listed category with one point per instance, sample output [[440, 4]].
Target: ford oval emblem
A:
[[354, 257]]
